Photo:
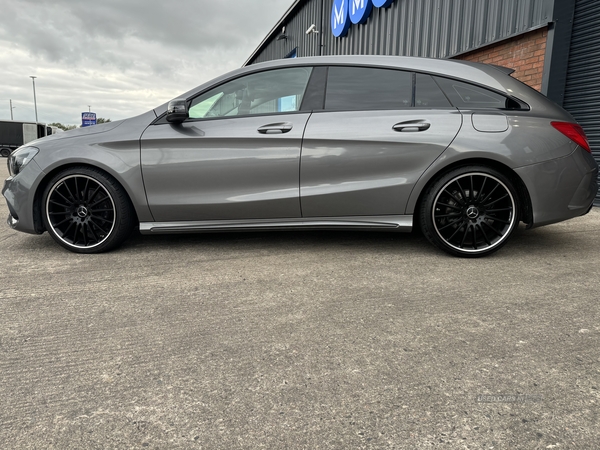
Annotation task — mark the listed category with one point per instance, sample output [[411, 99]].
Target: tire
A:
[[5, 152], [86, 211], [470, 211]]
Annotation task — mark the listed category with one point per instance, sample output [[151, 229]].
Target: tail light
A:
[[574, 132]]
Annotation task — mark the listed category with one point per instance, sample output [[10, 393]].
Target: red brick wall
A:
[[524, 53]]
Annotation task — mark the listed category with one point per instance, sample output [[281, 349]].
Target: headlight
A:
[[19, 159]]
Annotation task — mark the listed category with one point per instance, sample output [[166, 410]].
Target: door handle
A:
[[411, 126], [276, 128]]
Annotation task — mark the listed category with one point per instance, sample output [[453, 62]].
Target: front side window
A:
[[273, 91], [365, 88]]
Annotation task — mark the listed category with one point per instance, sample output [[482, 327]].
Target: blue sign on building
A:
[[346, 12], [88, 119], [340, 22], [360, 10], [382, 3]]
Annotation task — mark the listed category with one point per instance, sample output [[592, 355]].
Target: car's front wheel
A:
[[86, 211], [470, 211]]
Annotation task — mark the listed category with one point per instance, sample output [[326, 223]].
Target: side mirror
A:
[[177, 111]]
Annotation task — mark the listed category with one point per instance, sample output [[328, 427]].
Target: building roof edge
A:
[[274, 30]]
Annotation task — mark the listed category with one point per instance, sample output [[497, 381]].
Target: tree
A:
[[102, 120], [62, 127]]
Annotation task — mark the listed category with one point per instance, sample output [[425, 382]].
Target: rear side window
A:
[[468, 96], [428, 94], [363, 88]]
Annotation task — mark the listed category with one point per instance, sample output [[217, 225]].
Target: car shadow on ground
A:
[[523, 240], [538, 241], [284, 240]]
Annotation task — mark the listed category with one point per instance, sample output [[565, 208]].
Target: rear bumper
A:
[[561, 188]]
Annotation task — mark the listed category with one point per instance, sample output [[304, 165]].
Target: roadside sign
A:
[[88, 119]]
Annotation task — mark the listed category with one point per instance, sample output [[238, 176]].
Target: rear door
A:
[[380, 129]]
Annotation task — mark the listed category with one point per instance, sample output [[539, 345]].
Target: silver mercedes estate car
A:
[[462, 150]]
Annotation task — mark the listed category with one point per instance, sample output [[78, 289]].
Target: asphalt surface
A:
[[340, 340]]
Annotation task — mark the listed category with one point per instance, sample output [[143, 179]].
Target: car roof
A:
[[474, 72]]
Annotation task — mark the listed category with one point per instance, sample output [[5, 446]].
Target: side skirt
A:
[[383, 223]]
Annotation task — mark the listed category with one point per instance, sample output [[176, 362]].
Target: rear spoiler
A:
[[506, 70]]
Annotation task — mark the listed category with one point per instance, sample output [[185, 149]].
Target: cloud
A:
[[122, 58]]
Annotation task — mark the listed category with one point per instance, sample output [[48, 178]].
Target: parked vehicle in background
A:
[[50, 130], [460, 149], [14, 134]]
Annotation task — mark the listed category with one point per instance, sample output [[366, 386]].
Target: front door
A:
[[236, 157]]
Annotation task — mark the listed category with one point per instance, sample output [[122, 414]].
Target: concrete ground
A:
[[338, 340]]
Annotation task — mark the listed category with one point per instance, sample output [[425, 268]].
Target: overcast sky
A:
[[122, 57]]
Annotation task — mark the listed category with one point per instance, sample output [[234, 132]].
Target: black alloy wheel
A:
[[86, 211], [470, 212]]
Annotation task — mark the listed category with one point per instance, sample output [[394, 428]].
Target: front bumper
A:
[[19, 192], [562, 188]]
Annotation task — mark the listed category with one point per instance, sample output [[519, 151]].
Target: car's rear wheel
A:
[[470, 211], [87, 211]]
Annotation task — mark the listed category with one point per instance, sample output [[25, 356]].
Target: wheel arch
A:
[[39, 192], [525, 207]]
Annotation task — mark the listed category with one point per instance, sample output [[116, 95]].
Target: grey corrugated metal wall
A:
[[434, 28], [582, 90]]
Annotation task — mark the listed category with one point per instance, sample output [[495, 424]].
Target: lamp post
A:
[[34, 99], [11, 108]]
